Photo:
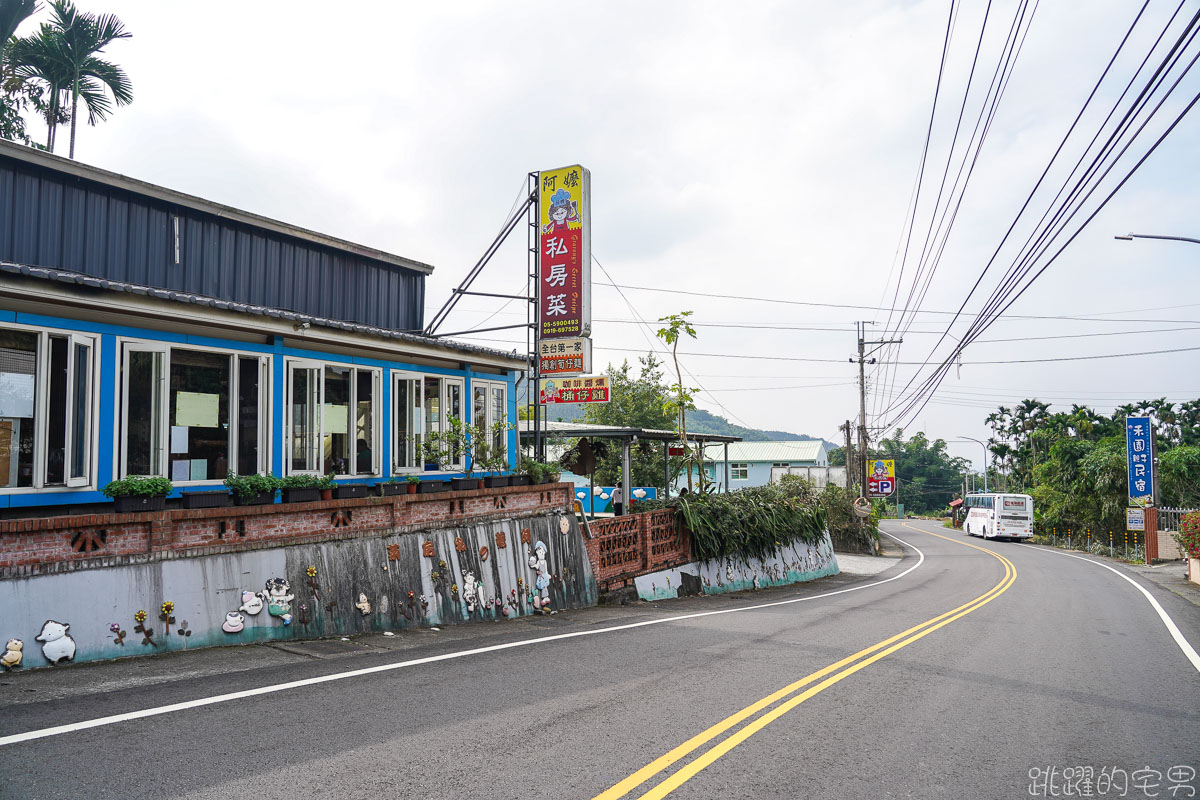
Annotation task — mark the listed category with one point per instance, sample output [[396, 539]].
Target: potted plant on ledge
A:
[[206, 499], [252, 490], [138, 493], [495, 459], [436, 454], [460, 441], [301, 488], [390, 487]]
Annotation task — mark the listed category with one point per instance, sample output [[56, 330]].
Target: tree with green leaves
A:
[[63, 60], [16, 96], [640, 401], [683, 399]]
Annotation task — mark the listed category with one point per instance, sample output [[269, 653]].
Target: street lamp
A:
[[985, 468], [1131, 236]]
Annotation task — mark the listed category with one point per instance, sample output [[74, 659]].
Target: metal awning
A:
[[579, 430], [627, 436]]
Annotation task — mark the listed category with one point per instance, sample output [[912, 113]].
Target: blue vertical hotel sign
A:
[[1139, 452]]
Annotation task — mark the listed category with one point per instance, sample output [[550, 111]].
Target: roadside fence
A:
[[1126, 545], [621, 548]]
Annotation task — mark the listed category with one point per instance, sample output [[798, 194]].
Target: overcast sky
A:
[[758, 149]]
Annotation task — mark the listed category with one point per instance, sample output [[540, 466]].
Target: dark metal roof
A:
[[61, 214], [116, 180], [80, 279]]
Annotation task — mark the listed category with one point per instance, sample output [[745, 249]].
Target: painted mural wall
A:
[[471, 573], [792, 563]]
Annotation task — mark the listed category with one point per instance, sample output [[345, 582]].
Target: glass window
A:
[[336, 448], [332, 419], [198, 412], [144, 374], [80, 414], [305, 399], [423, 405], [739, 472], [250, 425], [46, 400], [18, 370], [489, 407], [432, 397], [364, 423], [192, 415], [406, 412], [499, 435]]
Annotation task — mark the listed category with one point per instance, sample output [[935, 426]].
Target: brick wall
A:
[[57, 544], [621, 548]]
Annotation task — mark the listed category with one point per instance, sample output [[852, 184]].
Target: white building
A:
[[750, 463]]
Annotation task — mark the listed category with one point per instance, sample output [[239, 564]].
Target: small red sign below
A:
[[676, 450], [575, 390]]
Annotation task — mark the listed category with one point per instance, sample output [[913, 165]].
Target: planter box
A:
[[216, 499], [349, 490], [428, 487], [496, 481], [463, 484], [130, 504], [305, 495], [260, 499], [518, 480], [390, 489], [1194, 570]]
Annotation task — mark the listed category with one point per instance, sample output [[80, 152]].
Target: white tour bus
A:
[[999, 516]]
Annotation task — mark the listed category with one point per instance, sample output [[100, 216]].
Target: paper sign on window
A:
[[336, 418], [16, 395], [196, 409]]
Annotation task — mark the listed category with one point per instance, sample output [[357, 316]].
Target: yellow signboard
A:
[[881, 478]]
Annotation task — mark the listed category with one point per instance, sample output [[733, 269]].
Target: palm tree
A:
[[39, 59], [12, 14], [63, 55]]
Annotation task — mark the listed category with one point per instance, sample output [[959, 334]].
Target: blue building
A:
[[144, 331]]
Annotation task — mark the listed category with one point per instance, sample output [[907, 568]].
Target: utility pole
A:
[[849, 455], [863, 435]]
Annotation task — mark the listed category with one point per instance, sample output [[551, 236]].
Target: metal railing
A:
[[1170, 519], [1127, 545]]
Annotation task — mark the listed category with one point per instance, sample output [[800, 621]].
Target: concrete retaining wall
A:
[[381, 570], [793, 563]]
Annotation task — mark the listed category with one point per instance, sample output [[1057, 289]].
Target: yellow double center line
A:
[[827, 676]]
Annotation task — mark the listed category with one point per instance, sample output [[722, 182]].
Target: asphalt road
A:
[[1016, 659]]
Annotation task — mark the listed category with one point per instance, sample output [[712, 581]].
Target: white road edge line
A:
[[1172, 628], [58, 730]]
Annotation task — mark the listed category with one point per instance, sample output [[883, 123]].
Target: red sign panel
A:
[[564, 253], [575, 390]]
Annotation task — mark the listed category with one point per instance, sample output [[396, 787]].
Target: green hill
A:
[[700, 421]]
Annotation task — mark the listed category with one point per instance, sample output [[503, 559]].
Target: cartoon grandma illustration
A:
[[563, 211]]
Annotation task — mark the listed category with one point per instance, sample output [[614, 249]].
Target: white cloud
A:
[[763, 149]]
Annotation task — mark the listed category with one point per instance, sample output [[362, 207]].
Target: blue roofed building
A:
[[144, 331]]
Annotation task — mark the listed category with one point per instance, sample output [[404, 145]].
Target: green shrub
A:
[[138, 486], [413, 479], [302, 482], [751, 522], [245, 486]]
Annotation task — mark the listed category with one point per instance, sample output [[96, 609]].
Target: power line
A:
[[1015, 283]]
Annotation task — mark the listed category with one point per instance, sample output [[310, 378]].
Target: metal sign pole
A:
[[535, 402]]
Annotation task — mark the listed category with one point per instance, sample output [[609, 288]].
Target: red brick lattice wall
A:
[[621, 548], [51, 544]]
